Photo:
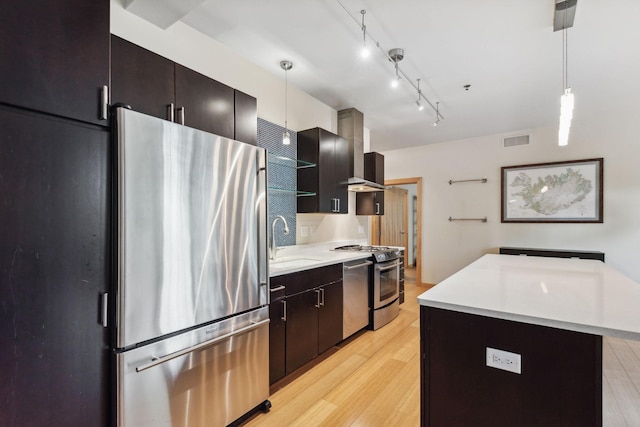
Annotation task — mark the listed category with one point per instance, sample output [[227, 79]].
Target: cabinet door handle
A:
[[317, 305], [105, 310], [284, 310], [104, 103], [322, 301], [181, 115], [338, 203], [171, 116], [377, 208]]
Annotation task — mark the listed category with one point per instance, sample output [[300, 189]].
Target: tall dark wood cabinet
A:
[[330, 153], [55, 56], [142, 79], [54, 212], [54, 270]]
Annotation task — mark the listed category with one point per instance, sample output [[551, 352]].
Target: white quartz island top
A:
[[573, 294]]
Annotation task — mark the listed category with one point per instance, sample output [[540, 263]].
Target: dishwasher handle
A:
[[364, 264], [159, 360]]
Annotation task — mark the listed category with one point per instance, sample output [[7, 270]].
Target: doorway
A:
[[401, 224]]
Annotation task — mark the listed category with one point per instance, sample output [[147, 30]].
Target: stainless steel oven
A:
[[386, 283]]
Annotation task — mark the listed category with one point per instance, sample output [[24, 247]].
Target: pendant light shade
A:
[[286, 136], [563, 19]]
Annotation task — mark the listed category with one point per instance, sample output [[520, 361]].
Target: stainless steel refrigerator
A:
[[192, 284]]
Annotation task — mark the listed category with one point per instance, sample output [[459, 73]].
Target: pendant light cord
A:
[[286, 98], [565, 70]]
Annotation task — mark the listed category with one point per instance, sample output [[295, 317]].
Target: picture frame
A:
[[555, 192]]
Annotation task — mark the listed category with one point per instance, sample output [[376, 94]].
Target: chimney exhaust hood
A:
[[351, 128]]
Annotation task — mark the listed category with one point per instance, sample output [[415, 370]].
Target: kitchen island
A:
[[518, 341]]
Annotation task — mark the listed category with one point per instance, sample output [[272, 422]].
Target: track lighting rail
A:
[[394, 61]]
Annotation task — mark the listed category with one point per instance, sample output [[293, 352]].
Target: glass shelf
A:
[[290, 163], [290, 191]]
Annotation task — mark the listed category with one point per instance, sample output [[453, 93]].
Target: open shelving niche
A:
[[287, 162]]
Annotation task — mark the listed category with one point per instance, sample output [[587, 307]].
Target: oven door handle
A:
[[385, 267]]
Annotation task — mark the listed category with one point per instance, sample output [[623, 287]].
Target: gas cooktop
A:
[[379, 253], [361, 248]]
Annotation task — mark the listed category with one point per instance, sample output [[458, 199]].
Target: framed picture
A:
[[553, 192]]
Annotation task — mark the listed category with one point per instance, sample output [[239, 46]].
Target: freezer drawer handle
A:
[[159, 360], [279, 288], [351, 267]]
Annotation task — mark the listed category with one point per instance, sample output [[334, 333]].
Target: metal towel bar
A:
[[483, 180], [468, 219]]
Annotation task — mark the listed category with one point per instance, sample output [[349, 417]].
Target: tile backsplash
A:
[[281, 177]]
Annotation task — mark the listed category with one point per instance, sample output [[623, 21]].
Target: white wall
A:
[[449, 246]]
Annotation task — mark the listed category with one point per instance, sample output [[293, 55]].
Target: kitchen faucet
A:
[[273, 247]]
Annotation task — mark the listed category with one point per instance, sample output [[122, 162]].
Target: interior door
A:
[[391, 228]]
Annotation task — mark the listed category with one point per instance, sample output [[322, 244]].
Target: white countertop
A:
[[290, 259], [573, 294]]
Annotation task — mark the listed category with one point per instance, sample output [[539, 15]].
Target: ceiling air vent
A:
[[513, 141]]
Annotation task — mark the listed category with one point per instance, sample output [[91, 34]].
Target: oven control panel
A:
[[386, 256]]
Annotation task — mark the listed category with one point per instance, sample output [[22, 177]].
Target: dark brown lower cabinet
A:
[[330, 316], [560, 383], [54, 258], [308, 321], [302, 329]]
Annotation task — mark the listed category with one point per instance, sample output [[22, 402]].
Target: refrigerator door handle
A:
[[263, 265], [160, 360]]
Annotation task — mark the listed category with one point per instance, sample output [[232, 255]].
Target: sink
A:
[[293, 261]]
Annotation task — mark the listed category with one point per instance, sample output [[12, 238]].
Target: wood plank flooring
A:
[[373, 379]]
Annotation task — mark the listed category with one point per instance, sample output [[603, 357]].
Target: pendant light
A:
[[364, 53], [566, 100], [437, 114], [396, 55], [420, 106], [286, 66], [564, 14]]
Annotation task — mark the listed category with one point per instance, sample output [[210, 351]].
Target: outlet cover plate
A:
[[504, 360]]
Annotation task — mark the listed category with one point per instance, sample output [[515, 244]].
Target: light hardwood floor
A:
[[374, 380]]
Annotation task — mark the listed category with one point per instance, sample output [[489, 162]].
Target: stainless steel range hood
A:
[[351, 128]]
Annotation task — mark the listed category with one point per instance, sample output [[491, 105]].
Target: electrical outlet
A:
[[504, 360], [304, 231], [360, 229]]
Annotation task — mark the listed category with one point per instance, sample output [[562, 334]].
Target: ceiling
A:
[[505, 50]]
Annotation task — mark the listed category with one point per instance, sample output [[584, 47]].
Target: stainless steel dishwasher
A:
[[355, 281]]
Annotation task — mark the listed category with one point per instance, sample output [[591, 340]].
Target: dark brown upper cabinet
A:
[[330, 153], [141, 79], [55, 56], [203, 103], [246, 118], [154, 85], [372, 203]]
